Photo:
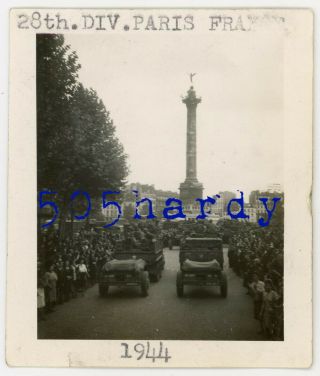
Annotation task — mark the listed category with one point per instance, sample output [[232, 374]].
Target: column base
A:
[[190, 190]]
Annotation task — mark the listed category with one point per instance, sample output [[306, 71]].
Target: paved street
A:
[[201, 315]]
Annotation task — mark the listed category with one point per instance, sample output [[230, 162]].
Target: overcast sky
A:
[[140, 78]]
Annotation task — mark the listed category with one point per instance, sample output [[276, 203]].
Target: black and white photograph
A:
[[146, 267], [168, 158]]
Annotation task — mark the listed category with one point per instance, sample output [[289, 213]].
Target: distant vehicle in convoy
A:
[[201, 264]]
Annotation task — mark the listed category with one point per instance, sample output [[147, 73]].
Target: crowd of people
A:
[[173, 232], [68, 265], [256, 255], [140, 235]]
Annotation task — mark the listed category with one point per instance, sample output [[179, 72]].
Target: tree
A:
[[57, 73], [128, 211], [99, 162], [77, 145]]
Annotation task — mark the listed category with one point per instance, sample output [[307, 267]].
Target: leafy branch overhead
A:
[[76, 142]]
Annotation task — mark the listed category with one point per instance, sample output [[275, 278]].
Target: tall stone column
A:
[[191, 102], [191, 188]]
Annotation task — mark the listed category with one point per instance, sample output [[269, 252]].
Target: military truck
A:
[[201, 264], [151, 253]]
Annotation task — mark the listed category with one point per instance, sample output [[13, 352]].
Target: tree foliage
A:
[[77, 147]]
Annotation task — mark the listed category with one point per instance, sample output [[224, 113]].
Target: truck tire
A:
[[180, 284], [155, 277], [103, 290], [144, 283], [223, 285]]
